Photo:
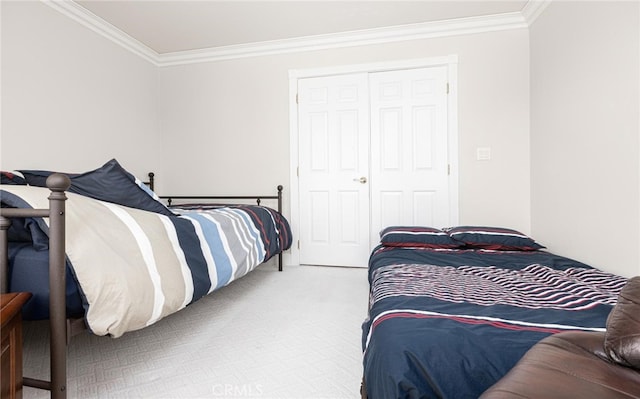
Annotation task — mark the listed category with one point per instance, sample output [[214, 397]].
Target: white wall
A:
[[223, 127], [72, 100], [227, 123], [585, 83]]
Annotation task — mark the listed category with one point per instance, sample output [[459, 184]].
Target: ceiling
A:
[[169, 26]]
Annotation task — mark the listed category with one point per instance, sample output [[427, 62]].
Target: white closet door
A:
[[409, 149], [333, 120], [373, 152]]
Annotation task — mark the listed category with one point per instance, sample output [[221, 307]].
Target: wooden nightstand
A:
[[11, 344]]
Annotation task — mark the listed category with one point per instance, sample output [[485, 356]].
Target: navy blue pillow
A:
[[28, 230], [417, 236], [31, 230], [12, 178], [110, 183], [496, 238]]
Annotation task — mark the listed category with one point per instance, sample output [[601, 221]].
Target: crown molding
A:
[[452, 27], [426, 30], [88, 19], [533, 9]]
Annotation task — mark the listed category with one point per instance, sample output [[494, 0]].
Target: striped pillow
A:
[[417, 236], [496, 238]]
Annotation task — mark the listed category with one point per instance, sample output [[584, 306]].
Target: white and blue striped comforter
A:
[[135, 267]]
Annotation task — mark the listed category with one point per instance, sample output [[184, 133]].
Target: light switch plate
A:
[[483, 153]]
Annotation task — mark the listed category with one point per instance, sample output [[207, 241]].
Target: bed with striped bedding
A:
[[129, 268], [449, 320]]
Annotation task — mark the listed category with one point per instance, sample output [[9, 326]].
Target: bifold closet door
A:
[[373, 152]]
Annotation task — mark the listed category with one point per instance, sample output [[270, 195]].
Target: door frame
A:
[[450, 61]]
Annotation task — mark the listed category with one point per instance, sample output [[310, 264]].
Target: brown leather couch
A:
[[582, 364]]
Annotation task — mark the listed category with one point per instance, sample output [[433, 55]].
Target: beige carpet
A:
[[294, 334]]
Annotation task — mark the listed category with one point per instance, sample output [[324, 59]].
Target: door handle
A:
[[362, 180]]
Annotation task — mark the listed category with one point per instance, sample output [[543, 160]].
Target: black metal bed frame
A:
[[257, 198], [62, 328], [58, 338]]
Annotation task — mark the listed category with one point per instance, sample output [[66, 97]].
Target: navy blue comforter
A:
[[450, 323]]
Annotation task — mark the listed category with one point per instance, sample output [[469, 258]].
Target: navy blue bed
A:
[[126, 258], [448, 318]]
